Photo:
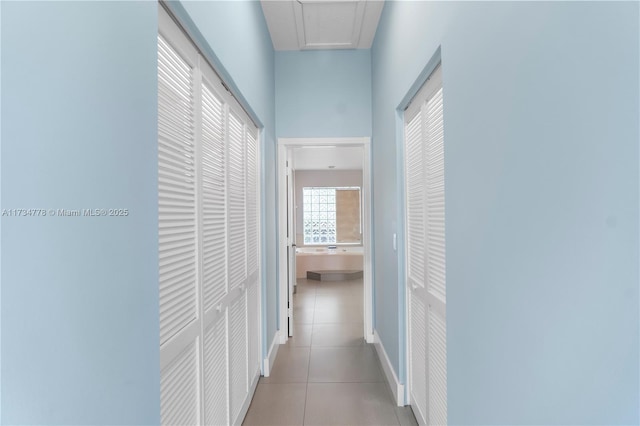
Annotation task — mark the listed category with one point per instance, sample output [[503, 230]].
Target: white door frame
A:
[[284, 144], [290, 228]]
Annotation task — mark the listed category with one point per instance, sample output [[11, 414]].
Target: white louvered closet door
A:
[[253, 252], [237, 190], [214, 254], [237, 267], [426, 284], [208, 240], [178, 268], [415, 218]]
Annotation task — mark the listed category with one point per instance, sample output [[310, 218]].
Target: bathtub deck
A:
[[343, 275], [327, 260]]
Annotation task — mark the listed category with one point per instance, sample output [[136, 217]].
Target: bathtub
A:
[[325, 259]]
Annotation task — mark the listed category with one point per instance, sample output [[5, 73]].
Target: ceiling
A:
[[322, 157], [322, 24]]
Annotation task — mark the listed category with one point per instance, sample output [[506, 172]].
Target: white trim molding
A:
[[283, 335], [267, 363], [285, 144], [397, 388]]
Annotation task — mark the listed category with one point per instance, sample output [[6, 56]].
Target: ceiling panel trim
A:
[[329, 24], [322, 24]]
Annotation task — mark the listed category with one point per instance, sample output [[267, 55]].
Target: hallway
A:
[[326, 374]]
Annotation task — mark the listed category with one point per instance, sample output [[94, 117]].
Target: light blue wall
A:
[[323, 93], [0, 215], [80, 306], [235, 38], [80, 316], [541, 156]]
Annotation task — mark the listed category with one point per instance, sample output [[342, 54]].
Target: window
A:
[[319, 215], [331, 215]]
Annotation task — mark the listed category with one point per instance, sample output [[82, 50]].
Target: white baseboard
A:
[[284, 336], [396, 387], [267, 363], [370, 338]]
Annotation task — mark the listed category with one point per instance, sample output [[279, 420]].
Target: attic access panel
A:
[[329, 24]]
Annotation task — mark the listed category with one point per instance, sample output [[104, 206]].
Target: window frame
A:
[[335, 223]]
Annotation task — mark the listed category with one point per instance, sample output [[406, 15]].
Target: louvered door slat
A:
[[253, 337], [179, 389], [213, 199], [216, 373], [236, 198], [238, 355], [175, 170], [176, 194], [178, 103], [167, 129], [435, 197], [174, 157], [252, 204], [415, 200], [173, 235], [437, 370], [166, 52], [177, 92], [418, 355]]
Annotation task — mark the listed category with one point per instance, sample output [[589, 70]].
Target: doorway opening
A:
[[339, 238]]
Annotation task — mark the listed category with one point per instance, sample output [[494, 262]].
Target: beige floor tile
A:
[[344, 364], [301, 335], [349, 404], [405, 416], [330, 289], [291, 365], [304, 285], [338, 305], [303, 314], [345, 298], [304, 299], [277, 404], [335, 381], [341, 334], [338, 314]]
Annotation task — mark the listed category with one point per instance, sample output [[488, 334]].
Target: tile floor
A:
[[326, 374]]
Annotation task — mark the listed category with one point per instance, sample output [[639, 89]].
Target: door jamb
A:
[[284, 144]]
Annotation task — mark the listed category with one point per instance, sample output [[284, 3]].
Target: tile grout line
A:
[[306, 392], [314, 325]]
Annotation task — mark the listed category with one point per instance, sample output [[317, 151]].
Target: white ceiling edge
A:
[[372, 14], [285, 21], [281, 23]]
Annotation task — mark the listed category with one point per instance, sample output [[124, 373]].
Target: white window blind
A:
[[208, 240], [426, 280]]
